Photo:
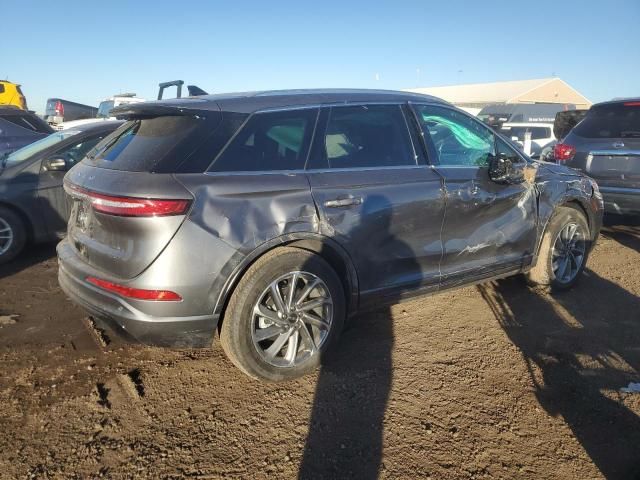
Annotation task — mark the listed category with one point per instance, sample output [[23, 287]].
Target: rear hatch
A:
[[127, 205], [607, 143]]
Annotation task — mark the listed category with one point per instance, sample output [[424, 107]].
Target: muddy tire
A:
[[283, 317], [564, 250], [12, 235]]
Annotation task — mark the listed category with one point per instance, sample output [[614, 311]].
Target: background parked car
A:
[[59, 110], [11, 94], [230, 209], [606, 146], [104, 110], [33, 205], [562, 125], [541, 135], [19, 128], [497, 114]]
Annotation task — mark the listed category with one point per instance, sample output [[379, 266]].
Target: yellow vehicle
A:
[[10, 94]]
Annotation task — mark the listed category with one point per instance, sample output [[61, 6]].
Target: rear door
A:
[[488, 227], [377, 197]]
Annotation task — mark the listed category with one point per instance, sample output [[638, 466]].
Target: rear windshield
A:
[[537, 133], [152, 144], [30, 122], [611, 121]]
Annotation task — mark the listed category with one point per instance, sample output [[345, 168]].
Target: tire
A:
[[244, 329], [548, 268], [10, 225]]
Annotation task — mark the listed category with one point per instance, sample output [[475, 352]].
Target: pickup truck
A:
[[59, 110]]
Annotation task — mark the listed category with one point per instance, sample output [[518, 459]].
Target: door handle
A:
[[349, 201]]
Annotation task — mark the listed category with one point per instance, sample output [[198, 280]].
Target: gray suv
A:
[[606, 146], [274, 216]]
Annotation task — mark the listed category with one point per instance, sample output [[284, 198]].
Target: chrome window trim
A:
[[616, 153], [318, 170]]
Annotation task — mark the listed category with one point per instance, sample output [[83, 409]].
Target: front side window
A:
[[367, 136], [270, 141], [458, 139]]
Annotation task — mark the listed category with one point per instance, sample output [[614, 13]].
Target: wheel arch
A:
[[330, 250], [570, 201]]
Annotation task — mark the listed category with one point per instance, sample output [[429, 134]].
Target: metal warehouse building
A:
[[478, 95]]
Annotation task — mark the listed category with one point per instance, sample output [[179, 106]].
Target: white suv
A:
[[541, 135]]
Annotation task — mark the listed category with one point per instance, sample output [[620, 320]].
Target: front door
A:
[[376, 199], [488, 227]]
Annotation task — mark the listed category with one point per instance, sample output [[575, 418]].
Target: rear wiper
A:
[[630, 134]]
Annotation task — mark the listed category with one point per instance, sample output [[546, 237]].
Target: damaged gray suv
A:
[[274, 216]]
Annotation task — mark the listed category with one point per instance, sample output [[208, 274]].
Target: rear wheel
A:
[[12, 235], [563, 251], [285, 314]]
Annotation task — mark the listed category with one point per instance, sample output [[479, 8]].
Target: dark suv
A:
[[606, 146], [274, 216]]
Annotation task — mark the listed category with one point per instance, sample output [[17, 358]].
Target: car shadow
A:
[[580, 348], [345, 438]]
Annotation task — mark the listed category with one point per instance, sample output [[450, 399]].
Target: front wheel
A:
[[285, 314], [564, 250]]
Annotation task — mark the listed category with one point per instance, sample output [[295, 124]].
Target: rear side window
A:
[[153, 144], [611, 121], [367, 136], [269, 141], [1, 88]]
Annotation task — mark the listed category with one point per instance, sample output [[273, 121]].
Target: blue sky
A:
[[87, 50]]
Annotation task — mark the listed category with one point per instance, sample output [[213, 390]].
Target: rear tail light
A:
[[563, 152], [135, 293], [632, 104], [59, 109], [131, 206]]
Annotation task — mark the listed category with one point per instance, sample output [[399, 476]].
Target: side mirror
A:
[[502, 169], [55, 165]]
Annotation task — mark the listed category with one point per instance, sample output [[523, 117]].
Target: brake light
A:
[[59, 109], [135, 293], [131, 206], [563, 152], [632, 104]]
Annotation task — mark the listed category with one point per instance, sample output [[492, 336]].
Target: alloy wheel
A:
[[292, 319], [568, 253], [6, 236]]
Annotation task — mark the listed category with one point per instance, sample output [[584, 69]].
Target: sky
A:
[[88, 50]]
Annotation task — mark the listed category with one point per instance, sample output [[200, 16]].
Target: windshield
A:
[[104, 109], [30, 150]]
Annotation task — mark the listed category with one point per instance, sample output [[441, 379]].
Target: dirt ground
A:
[[494, 381]]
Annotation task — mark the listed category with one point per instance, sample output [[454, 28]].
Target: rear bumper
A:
[[123, 318], [621, 200]]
